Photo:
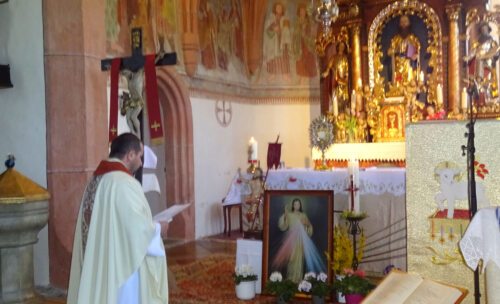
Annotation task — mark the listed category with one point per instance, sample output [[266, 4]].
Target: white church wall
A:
[[220, 151], [22, 114]]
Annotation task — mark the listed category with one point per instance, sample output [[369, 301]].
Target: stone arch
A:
[[179, 155]]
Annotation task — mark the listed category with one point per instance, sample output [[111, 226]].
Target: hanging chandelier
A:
[[326, 13]]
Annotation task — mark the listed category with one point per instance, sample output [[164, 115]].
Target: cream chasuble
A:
[[122, 254]]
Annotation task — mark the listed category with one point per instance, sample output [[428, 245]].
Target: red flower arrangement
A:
[[480, 169]]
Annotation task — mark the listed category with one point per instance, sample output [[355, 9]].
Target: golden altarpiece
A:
[[410, 62], [385, 64]]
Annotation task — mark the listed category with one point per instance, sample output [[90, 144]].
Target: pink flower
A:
[[360, 273], [348, 271]]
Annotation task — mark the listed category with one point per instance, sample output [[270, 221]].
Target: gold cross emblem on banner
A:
[[113, 130], [155, 125]]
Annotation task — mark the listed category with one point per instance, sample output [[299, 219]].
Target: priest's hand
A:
[[164, 229]]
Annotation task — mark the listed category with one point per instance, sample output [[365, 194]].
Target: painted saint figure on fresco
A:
[[112, 21], [303, 45], [164, 26], [404, 52], [238, 29], [117, 29], [225, 37], [277, 43], [297, 253], [207, 24]]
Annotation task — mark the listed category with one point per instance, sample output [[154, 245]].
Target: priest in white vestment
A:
[[118, 253]]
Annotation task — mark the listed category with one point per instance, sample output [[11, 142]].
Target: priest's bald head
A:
[[129, 149]]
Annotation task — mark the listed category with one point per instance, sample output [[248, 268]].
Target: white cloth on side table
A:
[[239, 187], [481, 241]]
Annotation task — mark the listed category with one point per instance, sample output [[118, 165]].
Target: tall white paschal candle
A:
[[439, 95], [353, 169], [252, 145], [353, 102], [356, 185], [335, 106], [464, 99]]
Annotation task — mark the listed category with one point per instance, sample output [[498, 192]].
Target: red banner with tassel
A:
[[153, 103], [113, 100]]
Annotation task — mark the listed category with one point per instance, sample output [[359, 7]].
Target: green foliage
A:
[[319, 284], [354, 282], [244, 273], [285, 289], [239, 278]]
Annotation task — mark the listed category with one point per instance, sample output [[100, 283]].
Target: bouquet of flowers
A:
[[354, 282], [343, 250], [285, 289], [316, 284], [244, 273]]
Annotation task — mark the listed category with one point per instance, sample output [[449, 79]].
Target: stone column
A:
[[77, 115], [190, 42], [355, 35], [453, 12]]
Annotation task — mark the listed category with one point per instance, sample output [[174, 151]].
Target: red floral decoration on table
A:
[[360, 273], [239, 181], [480, 169], [292, 179]]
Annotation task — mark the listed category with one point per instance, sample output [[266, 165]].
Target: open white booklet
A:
[[168, 214], [404, 288]]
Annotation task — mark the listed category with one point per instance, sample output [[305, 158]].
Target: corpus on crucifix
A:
[[140, 71]]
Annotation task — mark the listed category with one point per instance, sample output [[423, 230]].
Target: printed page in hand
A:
[[168, 214]]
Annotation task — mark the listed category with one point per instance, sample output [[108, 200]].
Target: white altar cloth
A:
[[382, 196], [372, 180], [481, 241]]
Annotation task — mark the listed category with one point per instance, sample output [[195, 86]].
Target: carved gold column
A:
[[355, 29], [453, 12]]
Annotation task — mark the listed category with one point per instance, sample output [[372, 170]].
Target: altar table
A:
[[382, 196]]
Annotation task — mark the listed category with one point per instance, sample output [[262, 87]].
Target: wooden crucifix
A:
[[140, 70], [352, 190]]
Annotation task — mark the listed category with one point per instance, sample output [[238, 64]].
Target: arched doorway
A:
[[179, 159]]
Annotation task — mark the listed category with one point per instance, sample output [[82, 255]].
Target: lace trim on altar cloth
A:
[[371, 182], [481, 241], [87, 206]]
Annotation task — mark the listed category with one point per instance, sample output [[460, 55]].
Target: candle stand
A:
[[355, 230]]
